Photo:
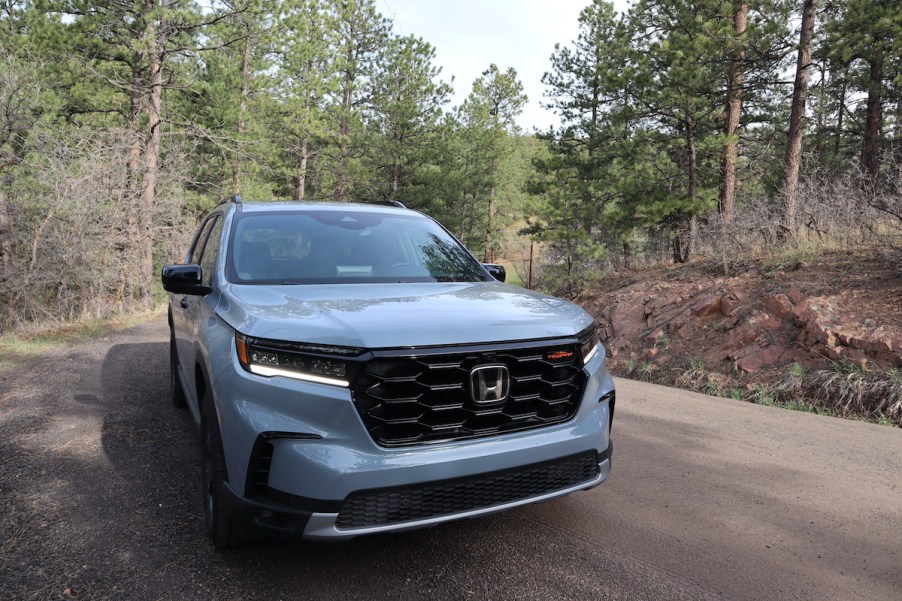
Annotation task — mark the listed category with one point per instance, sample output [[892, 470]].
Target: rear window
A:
[[315, 247]]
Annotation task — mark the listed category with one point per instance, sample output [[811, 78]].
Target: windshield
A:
[[317, 247]]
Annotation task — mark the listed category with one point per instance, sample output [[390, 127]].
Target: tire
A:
[[175, 388], [218, 522]]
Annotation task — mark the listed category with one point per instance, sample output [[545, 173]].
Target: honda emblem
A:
[[489, 384]]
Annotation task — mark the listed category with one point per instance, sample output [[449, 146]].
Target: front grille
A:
[[416, 399], [391, 506]]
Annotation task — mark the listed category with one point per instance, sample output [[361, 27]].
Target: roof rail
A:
[[396, 203], [233, 199]]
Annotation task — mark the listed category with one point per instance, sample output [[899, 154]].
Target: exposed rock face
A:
[[759, 319]]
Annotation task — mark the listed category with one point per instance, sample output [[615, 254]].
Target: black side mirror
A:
[[496, 271], [184, 279]]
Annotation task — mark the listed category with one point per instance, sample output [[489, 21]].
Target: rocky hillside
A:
[[823, 332]]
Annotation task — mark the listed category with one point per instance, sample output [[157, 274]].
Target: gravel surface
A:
[[100, 499]]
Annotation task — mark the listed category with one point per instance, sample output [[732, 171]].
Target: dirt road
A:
[[709, 499]]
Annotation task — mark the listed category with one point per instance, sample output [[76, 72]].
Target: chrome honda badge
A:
[[489, 384]]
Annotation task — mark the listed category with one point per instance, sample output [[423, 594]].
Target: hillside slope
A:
[[821, 332]]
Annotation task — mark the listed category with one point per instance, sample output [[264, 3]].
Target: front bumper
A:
[[297, 452], [297, 517]]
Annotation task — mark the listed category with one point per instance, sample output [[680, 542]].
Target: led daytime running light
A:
[[286, 361], [589, 345], [591, 354], [264, 370]]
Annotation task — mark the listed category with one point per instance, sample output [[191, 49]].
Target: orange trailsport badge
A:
[[559, 355]]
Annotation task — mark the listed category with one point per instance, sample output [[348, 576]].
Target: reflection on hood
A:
[[398, 315]]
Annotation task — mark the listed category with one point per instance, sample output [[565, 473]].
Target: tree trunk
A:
[[870, 156], [300, 188], [342, 167], [489, 257], [151, 165], [301, 180], [6, 240], [344, 121], [727, 197], [242, 109], [897, 134], [136, 103], [821, 116], [129, 288], [685, 225], [466, 223], [839, 119], [395, 177], [589, 209], [797, 122]]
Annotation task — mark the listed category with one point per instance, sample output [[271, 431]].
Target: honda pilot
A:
[[353, 369]]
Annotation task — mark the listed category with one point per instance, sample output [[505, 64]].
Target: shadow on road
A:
[[101, 500]]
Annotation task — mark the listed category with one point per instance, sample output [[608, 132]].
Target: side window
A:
[[199, 238], [210, 251]]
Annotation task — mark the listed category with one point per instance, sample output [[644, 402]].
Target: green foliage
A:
[[576, 183], [797, 370], [713, 389], [298, 118], [319, 99], [763, 395], [409, 101], [646, 368], [485, 135]]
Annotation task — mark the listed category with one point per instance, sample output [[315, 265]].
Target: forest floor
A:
[[818, 332]]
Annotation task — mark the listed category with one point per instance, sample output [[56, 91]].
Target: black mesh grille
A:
[[407, 400], [390, 506]]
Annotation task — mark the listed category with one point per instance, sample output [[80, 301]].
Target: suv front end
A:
[[346, 409]]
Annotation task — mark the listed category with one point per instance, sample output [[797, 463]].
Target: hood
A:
[[398, 315]]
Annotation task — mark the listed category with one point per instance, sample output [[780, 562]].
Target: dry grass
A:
[[853, 392], [33, 339]]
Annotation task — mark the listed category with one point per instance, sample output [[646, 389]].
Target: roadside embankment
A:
[[816, 332]]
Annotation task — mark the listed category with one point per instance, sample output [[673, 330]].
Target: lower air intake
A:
[[391, 506]]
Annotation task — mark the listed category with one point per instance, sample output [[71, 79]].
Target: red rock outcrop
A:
[[754, 321]]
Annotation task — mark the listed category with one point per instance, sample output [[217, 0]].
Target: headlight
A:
[[589, 343], [309, 362]]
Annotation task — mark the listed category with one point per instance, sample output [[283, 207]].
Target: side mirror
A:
[[496, 271], [184, 279]]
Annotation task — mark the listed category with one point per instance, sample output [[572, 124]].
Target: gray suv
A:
[[353, 369]]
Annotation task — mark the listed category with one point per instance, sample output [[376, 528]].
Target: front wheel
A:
[[218, 522]]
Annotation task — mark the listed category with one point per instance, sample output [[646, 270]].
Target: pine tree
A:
[[577, 180], [305, 80], [359, 33], [675, 66], [407, 106], [490, 115], [870, 32]]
